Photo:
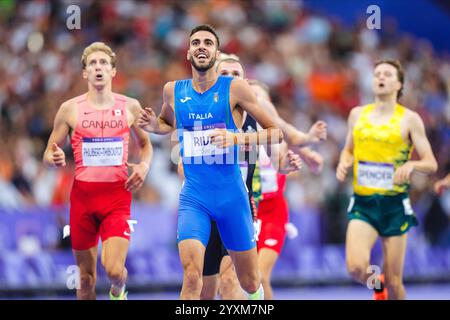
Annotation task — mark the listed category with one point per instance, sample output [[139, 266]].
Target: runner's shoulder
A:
[[68, 106], [131, 104], [169, 87], [356, 111], [412, 118], [354, 114], [169, 93], [411, 114]]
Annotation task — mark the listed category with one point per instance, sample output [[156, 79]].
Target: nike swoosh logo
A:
[[126, 234], [185, 99], [89, 112]]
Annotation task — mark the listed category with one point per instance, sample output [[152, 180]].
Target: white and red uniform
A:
[[99, 202], [273, 211]]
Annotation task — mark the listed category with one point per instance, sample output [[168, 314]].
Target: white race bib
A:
[[269, 178], [376, 175], [102, 152], [198, 142]]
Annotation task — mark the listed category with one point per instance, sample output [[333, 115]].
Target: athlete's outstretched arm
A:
[[180, 169], [311, 158], [242, 94], [346, 157], [288, 160], [54, 155], [427, 163], [165, 122], [140, 170], [293, 136], [297, 138], [442, 184]]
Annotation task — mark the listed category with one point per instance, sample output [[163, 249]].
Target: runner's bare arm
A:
[[242, 94], [140, 170], [180, 169], [346, 157], [442, 184], [311, 158], [289, 161], [54, 155], [427, 163], [165, 122], [140, 136], [293, 136]]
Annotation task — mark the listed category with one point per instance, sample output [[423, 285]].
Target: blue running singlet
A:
[[213, 188]]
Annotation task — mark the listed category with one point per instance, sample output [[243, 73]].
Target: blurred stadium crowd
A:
[[316, 67]]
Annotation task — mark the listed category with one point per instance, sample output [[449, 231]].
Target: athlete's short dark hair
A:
[[206, 27]]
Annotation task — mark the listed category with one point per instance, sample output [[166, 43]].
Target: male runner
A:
[[219, 275], [99, 123], [205, 110], [379, 143]]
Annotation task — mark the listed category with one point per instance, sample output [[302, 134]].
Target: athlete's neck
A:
[[385, 103], [100, 99], [202, 81]]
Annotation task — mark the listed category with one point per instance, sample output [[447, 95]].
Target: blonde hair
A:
[[224, 56], [98, 46], [230, 58]]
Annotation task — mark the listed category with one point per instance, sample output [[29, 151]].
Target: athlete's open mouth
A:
[[202, 55], [99, 76]]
